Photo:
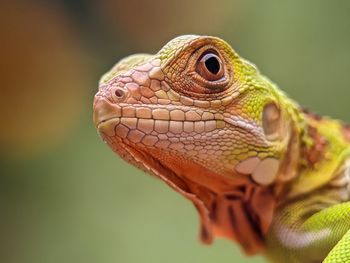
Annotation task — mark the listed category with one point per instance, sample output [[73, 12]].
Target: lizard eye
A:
[[209, 66]]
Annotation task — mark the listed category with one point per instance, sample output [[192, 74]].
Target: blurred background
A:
[[64, 196]]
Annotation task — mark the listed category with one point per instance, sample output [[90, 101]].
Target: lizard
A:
[[261, 170]]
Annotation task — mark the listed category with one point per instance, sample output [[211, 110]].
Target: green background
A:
[[64, 196]]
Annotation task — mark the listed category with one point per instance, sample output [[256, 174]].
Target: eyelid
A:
[[209, 50]]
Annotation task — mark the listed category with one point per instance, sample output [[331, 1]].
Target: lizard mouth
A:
[[163, 125], [145, 123]]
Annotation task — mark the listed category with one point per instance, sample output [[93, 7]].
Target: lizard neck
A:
[[324, 148]]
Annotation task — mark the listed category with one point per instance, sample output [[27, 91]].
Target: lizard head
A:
[[204, 120]]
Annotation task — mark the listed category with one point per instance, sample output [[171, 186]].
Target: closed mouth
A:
[[160, 119]]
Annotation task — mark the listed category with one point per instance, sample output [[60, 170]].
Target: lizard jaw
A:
[[166, 128]]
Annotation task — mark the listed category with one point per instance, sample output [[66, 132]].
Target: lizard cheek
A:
[[271, 121]]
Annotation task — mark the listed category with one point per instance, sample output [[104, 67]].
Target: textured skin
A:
[[260, 170]]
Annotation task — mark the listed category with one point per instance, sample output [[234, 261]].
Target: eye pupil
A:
[[212, 64], [210, 67]]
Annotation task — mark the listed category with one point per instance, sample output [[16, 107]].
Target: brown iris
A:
[[209, 66]]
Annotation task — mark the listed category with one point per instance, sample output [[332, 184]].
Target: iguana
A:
[[260, 169]]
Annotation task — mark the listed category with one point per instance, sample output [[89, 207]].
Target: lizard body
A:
[[260, 170]]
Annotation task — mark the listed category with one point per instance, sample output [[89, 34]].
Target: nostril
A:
[[119, 93]]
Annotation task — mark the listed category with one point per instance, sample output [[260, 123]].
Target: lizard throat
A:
[[235, 209]]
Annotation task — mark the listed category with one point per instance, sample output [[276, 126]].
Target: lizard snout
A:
[[106, 115]]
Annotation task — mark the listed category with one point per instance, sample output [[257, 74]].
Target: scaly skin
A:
[[260, 170]]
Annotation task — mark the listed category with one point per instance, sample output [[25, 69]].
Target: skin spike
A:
[[260, 170]]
